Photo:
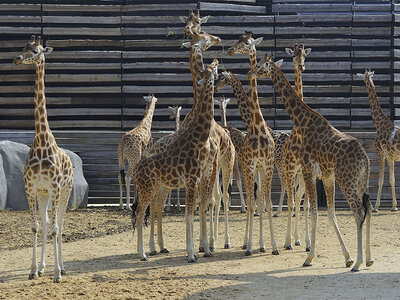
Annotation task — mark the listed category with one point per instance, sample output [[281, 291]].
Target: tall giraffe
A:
[[291, 164], [131, 148], [387, 140], [329, 154], [298, 53], [184, 163], [237, 138], [48, 173], [175, 113], [257, 150]]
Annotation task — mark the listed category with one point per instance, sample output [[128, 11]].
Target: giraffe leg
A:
[[217, 208], [212, 233], [178, 204], [62, 208], [239, 185], [226, 177], [121, 178], [381, 164], [290, 192], [153, 204], [329, 186], [298, 195], [160, 238], [311, 190], [128, 179], [282, 195], [55, 201], [169, 196], [368, 236], [392, 184], [189, 214], [43, 201], [306, 206], [249, 179], [35, 227]]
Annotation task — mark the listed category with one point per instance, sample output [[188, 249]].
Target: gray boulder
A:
[[12, 192]]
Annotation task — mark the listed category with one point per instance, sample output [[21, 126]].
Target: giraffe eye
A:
[[35, 51]]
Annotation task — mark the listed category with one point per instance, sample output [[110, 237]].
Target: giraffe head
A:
[[209, 74], [223, 80], [223, 102], [245, 44], [174, 111], [367, 76], [264, 67], [202, 41], [193, 22], [33, 52], [299, 54], [150, 99]]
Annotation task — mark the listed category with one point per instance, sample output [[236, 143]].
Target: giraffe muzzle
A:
[[18, 60]]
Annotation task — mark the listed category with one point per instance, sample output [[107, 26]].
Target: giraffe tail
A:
[[122, 173], [366, 204]]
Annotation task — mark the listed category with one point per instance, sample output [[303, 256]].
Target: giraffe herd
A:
[[199, 151]]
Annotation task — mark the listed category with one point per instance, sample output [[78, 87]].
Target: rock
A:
[[12, 191]]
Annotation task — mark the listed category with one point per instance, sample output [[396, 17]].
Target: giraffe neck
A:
[[148, 117], [378, 117], [223, 114], [242, 100], [196, 67], [257, 118], [177, 121], [298, 82], [299, 112], [42, 128]]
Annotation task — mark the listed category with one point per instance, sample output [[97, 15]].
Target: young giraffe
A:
[[48, 173], [131, 148], [387, 140], [291, 164], [237, 138], [175, 113], [257, 150], [329, 154], [184, 163], [298, 53]]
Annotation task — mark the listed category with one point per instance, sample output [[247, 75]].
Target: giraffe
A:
[[48, 173], [329, 154], [184, 163], [298, 53], [387, 140], [193, 22], [257, 150], [131, 148], [175, 113], [237, 138], [291, 164]]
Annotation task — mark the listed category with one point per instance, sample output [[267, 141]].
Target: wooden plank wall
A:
[[108, 54]]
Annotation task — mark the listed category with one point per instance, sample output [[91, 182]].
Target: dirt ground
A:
[[102, 262]]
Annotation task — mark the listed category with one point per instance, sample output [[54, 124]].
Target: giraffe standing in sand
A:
[[48, 173], [175, 113], [237, 138], [184, 163], [257, 150], [387, 140], [329, 154], [131, 148]]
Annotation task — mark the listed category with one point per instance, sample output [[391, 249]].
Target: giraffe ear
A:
[[47, 50], [183, 19], [217, 102], [226, 74], [147, 98], [186, 44], [200, 82], [279, 63], [307, 51], [227, 101], [204, 19], [258, 41], [179, 108], [360, 75], [289, 51]]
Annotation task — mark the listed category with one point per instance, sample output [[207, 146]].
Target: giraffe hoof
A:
[[165, 250], [289, 247], [262, 249], [40, 273], [349, 263], [152, 253], [63, 272], [209, 254], [256, 214], [276, 215], [201, 249], [375, 210], [297, 243], [394, 209], [307, 264], [192, 260], [227, 246], [370, 263], [244, 247], [275, 252], [243, 211], [355, 269], [308, 249], [247, 253], [57, 279], [143, 259], [33, 276]]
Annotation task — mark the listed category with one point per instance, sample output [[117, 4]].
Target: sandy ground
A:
[[102, 262]]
